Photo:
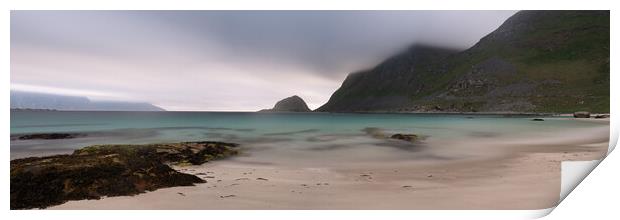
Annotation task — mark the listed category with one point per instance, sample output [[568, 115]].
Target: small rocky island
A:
[[108, 170], [290, 104]]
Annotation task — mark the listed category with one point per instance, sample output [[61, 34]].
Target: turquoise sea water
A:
[[261, 132]]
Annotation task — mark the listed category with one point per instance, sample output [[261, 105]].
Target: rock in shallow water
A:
[[48, 136], [601, 116], [405, 137], [374, 132], [107, 170], [581, 114]]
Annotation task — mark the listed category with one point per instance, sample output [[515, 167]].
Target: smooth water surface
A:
[[297, 136]]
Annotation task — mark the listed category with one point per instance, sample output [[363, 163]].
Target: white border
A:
[[593, 185]]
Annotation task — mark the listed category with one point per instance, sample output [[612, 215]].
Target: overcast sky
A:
[[220, 60]]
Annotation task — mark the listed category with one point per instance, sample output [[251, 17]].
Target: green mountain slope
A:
[[537, 61]]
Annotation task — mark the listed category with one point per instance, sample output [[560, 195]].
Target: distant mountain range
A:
[[536, 61], [30, 100]]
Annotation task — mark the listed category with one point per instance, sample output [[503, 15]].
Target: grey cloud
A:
[[156, 54], [332, 42]]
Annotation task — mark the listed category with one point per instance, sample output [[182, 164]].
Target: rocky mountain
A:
[[290, 104], [536, 61], [31, 100]]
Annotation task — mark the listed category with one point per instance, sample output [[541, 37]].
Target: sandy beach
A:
[[505, 172]]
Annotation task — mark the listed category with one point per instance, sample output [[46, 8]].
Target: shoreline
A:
[[486, 187], [521, 174], [556, 114], [525, 114]]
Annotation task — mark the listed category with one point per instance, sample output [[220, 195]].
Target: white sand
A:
[[504, 173]]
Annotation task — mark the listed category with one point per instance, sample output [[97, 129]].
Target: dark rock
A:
[[374, 132], [48, 136], [107, 170], [290, 104], [405, 137], [538, 119], [581, 114]]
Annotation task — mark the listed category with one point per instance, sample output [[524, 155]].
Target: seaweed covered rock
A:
[[47, 136], [378, 133], [601, 116], [374, 132], [581, 114], [107, 170], [405, 137]]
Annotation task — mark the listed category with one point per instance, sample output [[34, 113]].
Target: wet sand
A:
[[486, 173]]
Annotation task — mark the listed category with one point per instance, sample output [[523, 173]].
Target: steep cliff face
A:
[[537, 61], [290, 104], [391, 84]]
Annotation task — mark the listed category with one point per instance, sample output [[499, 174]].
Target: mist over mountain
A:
[[536, 61], [31, 100], [246, 58]]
